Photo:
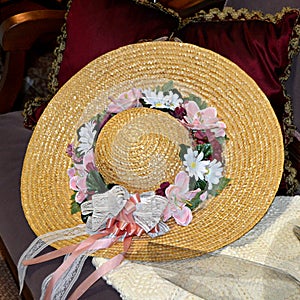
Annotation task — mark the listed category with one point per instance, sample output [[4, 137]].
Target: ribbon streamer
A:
[[40, 243], [108, 224], [105, 268]]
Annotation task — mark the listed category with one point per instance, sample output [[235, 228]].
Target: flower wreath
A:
[[200, 178]]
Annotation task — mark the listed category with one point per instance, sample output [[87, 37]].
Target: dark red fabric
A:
[[260, 48], [96, 27]]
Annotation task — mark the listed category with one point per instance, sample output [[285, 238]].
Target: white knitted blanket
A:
[[263, 264]]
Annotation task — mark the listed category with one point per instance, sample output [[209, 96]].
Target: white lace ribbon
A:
[[41, 242], [104, 207], [66, 282], [149, 211]]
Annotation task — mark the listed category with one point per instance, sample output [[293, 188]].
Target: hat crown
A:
[[139, 149]]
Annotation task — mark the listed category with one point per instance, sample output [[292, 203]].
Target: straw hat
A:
[[253, 154]]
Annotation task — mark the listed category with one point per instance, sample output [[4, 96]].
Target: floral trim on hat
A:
[[200, 178]]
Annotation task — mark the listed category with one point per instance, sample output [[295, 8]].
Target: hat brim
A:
[[254, 153]]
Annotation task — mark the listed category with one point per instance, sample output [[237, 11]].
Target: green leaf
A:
[[168, 86], [192, 184], [75, 207], [99, 117], [175, 91], [73, 196], [201, 104], [201, 184], [206, 149], [94, 182], [197, 184], [183, 151], [77, 153], [222, 139], [217, 188], [194, 203]]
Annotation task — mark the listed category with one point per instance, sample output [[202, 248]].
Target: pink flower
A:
[[210, 120], [80, 196], [89, 161], [73, 183], [71, 172], [125, 101], [203, 196], [177, 194], [192, 118], [78, 175], [179, 191], [202, 119], [78, 184], [87, 164], [183, 216]]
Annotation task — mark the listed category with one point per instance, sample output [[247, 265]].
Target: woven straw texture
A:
[[139, 149], [253, 155]]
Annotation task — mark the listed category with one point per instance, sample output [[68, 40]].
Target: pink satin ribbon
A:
[[63, 251], [105, 268], [121, 226], [85, 245]]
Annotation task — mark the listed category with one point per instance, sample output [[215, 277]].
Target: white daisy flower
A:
[[86, 139], [172, 100], [195, 165], [153, 98], [159, 100], [214, 173]]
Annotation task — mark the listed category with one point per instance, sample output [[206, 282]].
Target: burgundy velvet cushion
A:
[[96, 27]]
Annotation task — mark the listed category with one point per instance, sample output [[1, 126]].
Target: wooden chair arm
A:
[[20, 31]]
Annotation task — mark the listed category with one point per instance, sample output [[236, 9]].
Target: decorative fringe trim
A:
[[288, 120], [32, 104], [58, 53], [231, 14], [160, 7]]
